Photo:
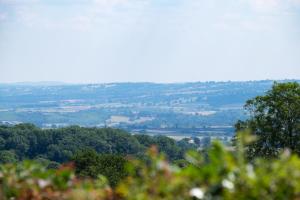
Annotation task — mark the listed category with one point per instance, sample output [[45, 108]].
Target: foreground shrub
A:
[[29, 180], [221, 174], [217, 174]]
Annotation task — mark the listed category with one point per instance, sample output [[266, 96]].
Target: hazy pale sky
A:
[[149, 40]]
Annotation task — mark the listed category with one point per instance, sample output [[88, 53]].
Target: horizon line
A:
[[136, 82]]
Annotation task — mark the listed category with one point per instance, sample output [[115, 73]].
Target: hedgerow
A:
[[220, 173]]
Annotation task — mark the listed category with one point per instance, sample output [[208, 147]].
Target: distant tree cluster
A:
[[26, 141]]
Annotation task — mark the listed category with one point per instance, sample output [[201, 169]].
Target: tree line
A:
[[26, 141]]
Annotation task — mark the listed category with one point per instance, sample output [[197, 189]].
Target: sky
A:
[[99, 41]]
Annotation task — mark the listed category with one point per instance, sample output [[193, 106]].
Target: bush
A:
[[221, 174], [8, 157], [29, 180]]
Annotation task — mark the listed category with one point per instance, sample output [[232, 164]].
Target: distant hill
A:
[[200, 107]]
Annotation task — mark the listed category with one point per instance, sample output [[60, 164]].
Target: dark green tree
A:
[[206, 142], [197, 141], [275, 119], [8, 157], [86, 163], [113, 167], [90, 164], [2, 143]]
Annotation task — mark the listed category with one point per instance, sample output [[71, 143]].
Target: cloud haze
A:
[[149, 40]]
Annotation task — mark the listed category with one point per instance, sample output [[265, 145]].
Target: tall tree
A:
[[90, 164], [275, 119]]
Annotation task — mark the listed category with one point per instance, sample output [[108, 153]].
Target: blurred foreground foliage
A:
[[30, 180], [219, 173]]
